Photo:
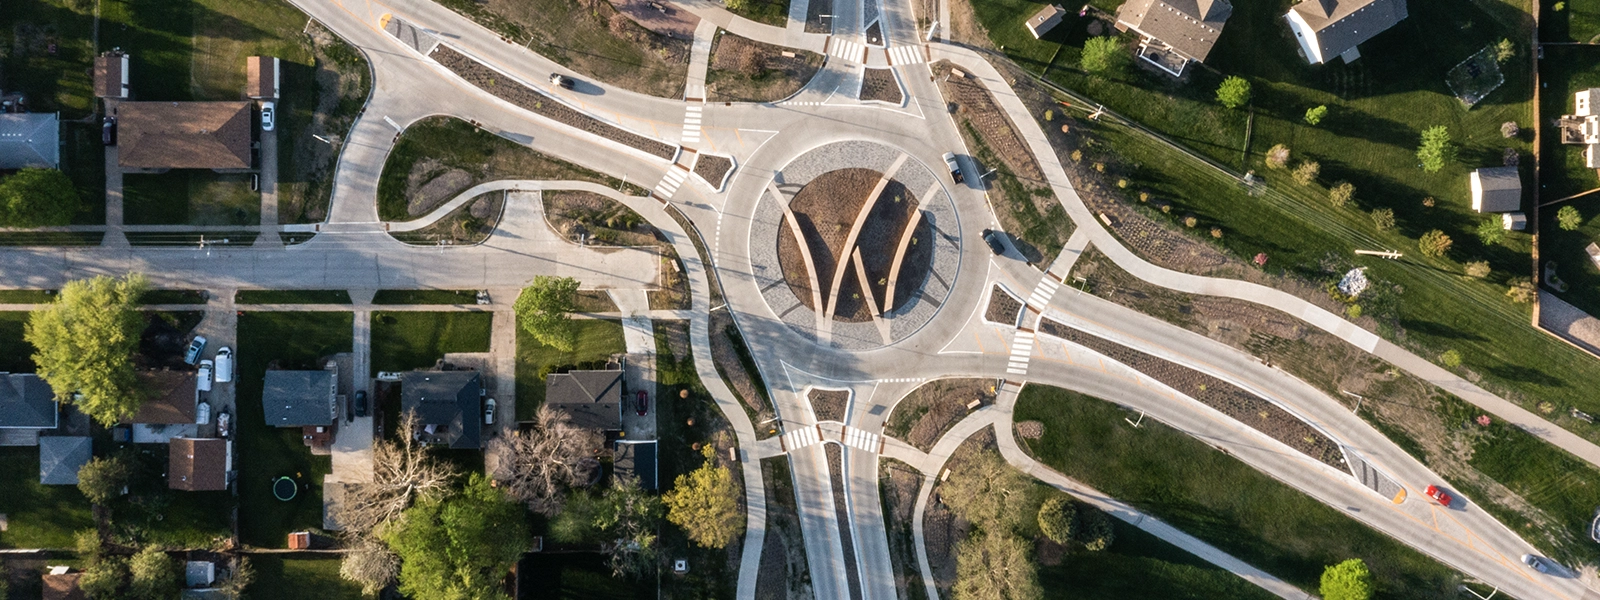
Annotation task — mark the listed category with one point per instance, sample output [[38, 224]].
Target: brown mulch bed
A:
[[829, 404], [605, 221], [712, 168], [470, 223], [825, 210], [1232, 400], [745, 70], [975, 104], [916, 265], [726, 356], [900, 484], [841, 510], [1003, 307], [784, 573], [431, 184], [924, 415], [880, 85], [509, 90]]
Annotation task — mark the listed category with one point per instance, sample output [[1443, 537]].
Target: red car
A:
[[1438, 495], [644, 403]]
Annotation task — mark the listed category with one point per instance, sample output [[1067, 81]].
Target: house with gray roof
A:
[[30, 140], [26, 402], [1333, 28], [448, 405], [60, 457], [301, 398], [1174, 32], [1496, 190], [591, 399]]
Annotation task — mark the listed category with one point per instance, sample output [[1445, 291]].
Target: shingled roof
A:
[[172, 398], [593, 399], [30, 140], [1190, 27], [261, 76], [61, 457], [197, 464], [184, 135], [300, 398], [111, 75], [448, 401], [26, 402], [1340, 25]]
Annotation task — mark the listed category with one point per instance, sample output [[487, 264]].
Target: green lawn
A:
[[16, 354], [294, 341], [681, 400], [769, 12], [1140, 565], [189, 197], [292, 297], [40, 516], [300, 576], [56, 81], [27, 296], [403, 341], [154, 513], [83, 159], [577, 576], [1217, 498], [425, 297], [1578, 21], [598, 339]]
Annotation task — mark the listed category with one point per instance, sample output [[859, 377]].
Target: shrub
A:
[[1349, 580], [1353, 311], [1097, 531], [1234, 92], [1428, 202], [1190, 221], [1058, 519], [1478, 269], [1491, 231], [1569, 218], [1341, 194], [1450, 358], [1434, 243], [1504, 50], [1383, 218], [1315, 115], [1216, 232], [1509, 129], [1436, 148], [1102, 55], [1522, 291], [1278, 156], [1307, 172]]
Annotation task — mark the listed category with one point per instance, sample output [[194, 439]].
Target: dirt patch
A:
[[713, 169], [745, 70], [898, 485], [880, 85], [436, 188], [660, 17], [593, 38], [826, 209], [784, 573], [509, 90], [829, 405], [941, 528], [1003, 307], [464, 225], [596, 219], [1225, 319], [924, 415], [305, 164], [725, 340]]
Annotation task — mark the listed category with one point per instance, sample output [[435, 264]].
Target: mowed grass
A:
[[39, 516], [294, 340], [1217, 498], [403, 341], [16, 354], [300, 576], [1577, 21], [190, 197], [598, 339], [1140, 565], [577, 576]]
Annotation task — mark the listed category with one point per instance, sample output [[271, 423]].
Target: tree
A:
[[1098, 532], [1569, 218], [1434, 243], [1058, 519], [154, 575], [404, 472], [1504, 50], [1509, 129], [370, 564], [85, 341], [1491, 231], [987, 492], [1307, 171], [1315, 115], [536, 465], [1278, 156], [1349, 580], [1522, 291], [995, 565], [1341, 193], [102, 479], [1450, 358], [1102, 55], [103, 578], [735, 5], [542, 311], [459, 548], [37, 198], [1234, 92], [1383, 218], [705, 503], [1436, 148], [629, 517], [240, 576], [1478, 269]]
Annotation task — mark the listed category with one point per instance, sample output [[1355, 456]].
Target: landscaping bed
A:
[[784, 573], [841, 509], [880, 85], [470, 223], [738, 369], [1003, 308], [591, 38], [925, 414], [605, 221], [827, 208], [829, 405], [745, 70], [712, 168], [538, 103], [898, 485]]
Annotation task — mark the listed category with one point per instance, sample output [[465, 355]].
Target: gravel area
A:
[[1231, 400], [829, 405], [506, 88], [713, 169], [880, 85], [1004, 308]]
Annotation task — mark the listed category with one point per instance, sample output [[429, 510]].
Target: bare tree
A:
[[536, 465], [370, 564], [403, 472]]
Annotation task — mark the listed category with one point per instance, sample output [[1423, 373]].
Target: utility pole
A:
[[1359, 400]]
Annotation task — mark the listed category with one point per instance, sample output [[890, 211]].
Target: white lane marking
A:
[[670, 182], [905, 55], [861, 440], [847, 50]]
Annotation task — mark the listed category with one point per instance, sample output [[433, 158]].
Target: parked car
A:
[[268, 115], [488, 411], [1535, 562], [643, 403], [565, 82], [108, 131], [196, 346], [203, 380], [202, 413], [992, 238], [224, 365], [955, 168], [223, 421], [1439, 495], [361, 403]]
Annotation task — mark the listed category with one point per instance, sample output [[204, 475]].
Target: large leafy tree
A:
[[1103, 55], [37, 198], [459, 548], [542, 311], [1436, 148], [995, 566], [85, 342], [629, 516], [705, 503], [153, 575], [102, 479], [987, 492], [1349, 580], [1234, 92]]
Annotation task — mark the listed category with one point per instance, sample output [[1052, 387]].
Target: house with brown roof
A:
[[1174, 32], [185, 135], [261, 77], [111, 75], [61, 584], [199, 464], [171, 408], [1333, 28]]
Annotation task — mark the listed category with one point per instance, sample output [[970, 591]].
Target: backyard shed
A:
[[1046, 19], [261, 77], [60, 457], [1496, 190]]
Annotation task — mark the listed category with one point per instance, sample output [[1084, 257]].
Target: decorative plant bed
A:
[[829, 404], [713, 169], [880, 85], [1004, 308], [826, 209]]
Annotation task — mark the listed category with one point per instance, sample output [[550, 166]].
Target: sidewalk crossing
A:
[[905, 55], [670, 182], [801, 438], [1043, 293], [848, 50], [1021, 351], [862, 440], [691, 124]]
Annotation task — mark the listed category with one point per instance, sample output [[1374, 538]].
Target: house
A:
[[62, 584], [1046, 19], [261, 77], [60, 457], [30, 140], [301, 398], [1582, 128], [448, 405], [1174, 32], [591, 399], [636, 459], [170, 411], [1594, 253], [185, 135], [1333, 28], [27, 402], [111, 75], [199, 464], [1496, 189]]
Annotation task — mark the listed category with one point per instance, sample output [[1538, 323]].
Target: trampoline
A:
[[284, 488]]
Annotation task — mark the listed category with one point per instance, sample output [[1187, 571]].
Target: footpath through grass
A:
[[403, 341], [598, 339], [1217, 498]]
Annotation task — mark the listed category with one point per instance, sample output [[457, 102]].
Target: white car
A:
[[223, 421], [268, 114], [488, 411], [203, 380], [202, 414], [224, 365], [1535, 562]]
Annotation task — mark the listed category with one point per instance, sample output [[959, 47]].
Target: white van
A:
[[203, 382], [224, 365]]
